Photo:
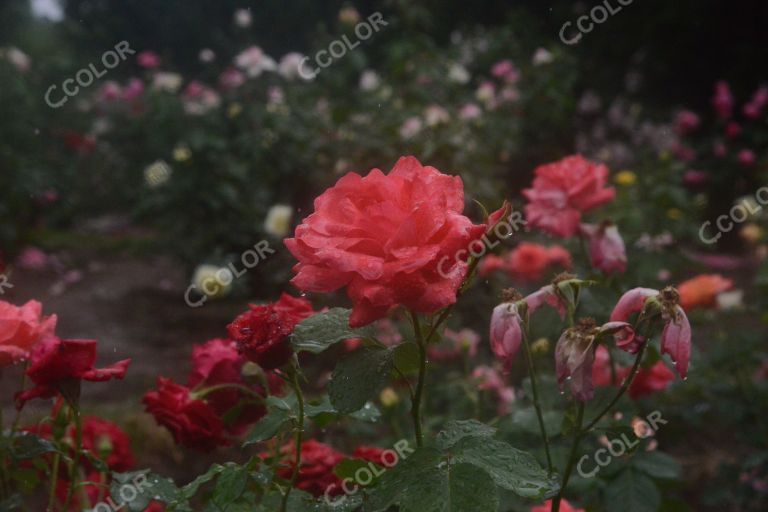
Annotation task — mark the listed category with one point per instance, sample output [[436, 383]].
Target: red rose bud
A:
[[262, 333]]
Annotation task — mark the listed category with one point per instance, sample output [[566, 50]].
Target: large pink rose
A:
[[562, 191], [21, 328], [390, 239]]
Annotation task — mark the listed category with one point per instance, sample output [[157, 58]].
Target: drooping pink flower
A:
[[391, 239], [506, 332], [148, 59], [722, 100], [630, 303], [562, 191], [606, 247], [676, 338], [564, 507], [574, 357], [686, 122], [545, 295]]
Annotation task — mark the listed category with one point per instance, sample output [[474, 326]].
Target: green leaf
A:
[[425, 482], [322, 411], [631, 492], [657, 465], [359, 378], [455, 431], [407, 358], [148, 486], [348, 467], [318, 332], [230, 486], [30, 446], [267, 427], [510, 468]]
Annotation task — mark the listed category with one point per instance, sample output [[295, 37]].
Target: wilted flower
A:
[[574, 356], [278, 221], [606, 247], [157, 173]]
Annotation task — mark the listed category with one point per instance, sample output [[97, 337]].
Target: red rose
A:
[[262, 333], [217, 362], [562, 191], [56, 361], [20, 328], [564, 507], [371, 454], [192, 422], [108, 442], [316, 474], [651, 380], [393, 239]]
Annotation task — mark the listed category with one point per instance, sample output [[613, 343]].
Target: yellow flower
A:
[[540, 346], [234, 110], [157, 173], [389, 397], [181, 153], [674, 214], [212, 280], [625, 178], [751, 232]]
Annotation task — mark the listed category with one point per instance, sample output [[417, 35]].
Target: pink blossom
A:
[[606, 247], [732, 130], [722, 100], [133, 90], [148, 59], [231, 79], [694, 178], [631, 302], [686, 122], [506, 333], [753, 109], [470, 111], [746, 157], [574, 357], [676, 339]]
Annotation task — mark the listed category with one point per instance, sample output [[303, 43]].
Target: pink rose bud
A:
[[506, 332], [722, 101], [606, 247]]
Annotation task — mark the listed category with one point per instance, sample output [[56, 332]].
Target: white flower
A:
[[254, 61], [730, 300], [289, 65], [157, 173], [207, 55], [542, 56], [18, 58], [212, 280], [369, 80], [458, 73], [278, 221], [435, 114], [411, 127], [243, 18], [165, 81]]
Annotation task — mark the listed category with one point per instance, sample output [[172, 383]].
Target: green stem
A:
[[623, 389], [74, 473], [299, 424], [536, 403], [419, 392], [571, 458], [54, 481]]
